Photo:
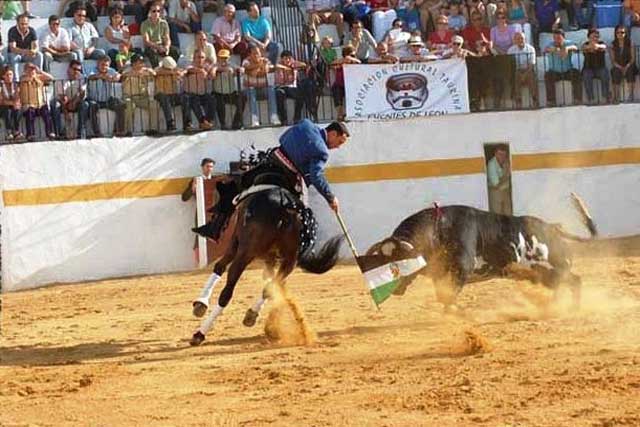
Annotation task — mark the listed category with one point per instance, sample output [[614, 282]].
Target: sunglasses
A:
[[621, 32], [81, 15], [55, 23], [77, 69], [155, 11], [457, 44]]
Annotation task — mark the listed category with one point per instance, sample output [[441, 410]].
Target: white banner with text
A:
[[405, 90]]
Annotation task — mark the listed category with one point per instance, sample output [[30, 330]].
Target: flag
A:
[[383, 277]]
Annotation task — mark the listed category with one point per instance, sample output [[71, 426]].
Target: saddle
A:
[[271, 172]]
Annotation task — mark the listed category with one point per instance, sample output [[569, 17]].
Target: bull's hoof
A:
[[250, 318], [199, 308], [196, 339]]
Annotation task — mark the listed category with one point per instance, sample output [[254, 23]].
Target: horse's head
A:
[[393, 249]]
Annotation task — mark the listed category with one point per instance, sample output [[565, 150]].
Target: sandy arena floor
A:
[[116, 353]]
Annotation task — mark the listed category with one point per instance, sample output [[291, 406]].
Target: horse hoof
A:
[[199, 309], [197, 339], [250, 318]]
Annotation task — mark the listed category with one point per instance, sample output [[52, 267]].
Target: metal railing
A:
[[144, 105]]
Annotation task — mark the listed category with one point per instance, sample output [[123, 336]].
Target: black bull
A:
[[455, 239]]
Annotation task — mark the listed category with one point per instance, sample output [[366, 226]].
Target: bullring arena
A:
[[116, 352], [99, 267]]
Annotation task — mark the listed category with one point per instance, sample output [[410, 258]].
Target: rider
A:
[[302, 155]]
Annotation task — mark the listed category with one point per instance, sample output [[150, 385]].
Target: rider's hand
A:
[[334, 204]]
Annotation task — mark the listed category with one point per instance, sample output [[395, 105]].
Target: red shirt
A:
[[377, 4], [435, 38], [472, 36]]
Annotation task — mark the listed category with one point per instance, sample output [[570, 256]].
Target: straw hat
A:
[[168, 62]]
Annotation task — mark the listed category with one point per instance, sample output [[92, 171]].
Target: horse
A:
[[274, 226]]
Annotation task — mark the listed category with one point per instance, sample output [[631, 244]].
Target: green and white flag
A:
[[383, 279]]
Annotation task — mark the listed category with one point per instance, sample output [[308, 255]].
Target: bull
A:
[[463, 244]]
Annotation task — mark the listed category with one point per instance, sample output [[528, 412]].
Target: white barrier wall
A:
[[82, 210]]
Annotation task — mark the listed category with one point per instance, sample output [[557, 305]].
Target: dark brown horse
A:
[[271, 225]]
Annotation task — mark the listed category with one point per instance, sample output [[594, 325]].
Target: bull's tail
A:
[[585, 219], [324, 260]]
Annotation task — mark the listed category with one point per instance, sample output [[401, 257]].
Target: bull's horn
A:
[[406, 245]]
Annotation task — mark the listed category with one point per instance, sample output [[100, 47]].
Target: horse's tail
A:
[[324, 260]]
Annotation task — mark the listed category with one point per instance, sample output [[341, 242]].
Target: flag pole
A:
[[346, 234], [354, 251]]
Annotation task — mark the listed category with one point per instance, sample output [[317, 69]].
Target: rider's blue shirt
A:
[[306, 146]]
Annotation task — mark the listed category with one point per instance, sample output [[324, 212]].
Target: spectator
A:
[[476, 35], [355, 10], [1, 46], [457, 51], [101, 93], [594, 66], [525, 56], [135, 89], [429, 9], [56, 44], [198, 98], [623, 63], [325, 12], [361, 40], [23, 44], [407, 12], [139, 9], [116, 34], [256, 69], [327, 52], [68, 8], [337, 89], [382, 55], [206, 166], [84, 36], [155, 34], [33, 99], [288, 85], [397, 38], [225, 90], [501, 35], [11, 9], [382, 17], [417, 52], [547, 16], [167, 91], [630, 18], [457, 21], [10, 107], [213, 6], [257, 32], [183, 18], [499, 180], [517, 12], [70, 99], [560, 67], [226, 33], [123, 57], [162, 5], [202, 44], [440, 39]]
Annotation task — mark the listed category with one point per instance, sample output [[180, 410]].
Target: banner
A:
[[398, 91]]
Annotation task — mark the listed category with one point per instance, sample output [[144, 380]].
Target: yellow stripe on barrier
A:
[[102, 191], [337, 175]]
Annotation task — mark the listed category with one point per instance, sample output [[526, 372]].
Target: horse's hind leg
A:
[[201, 304], [235, 271], [251, 316]]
